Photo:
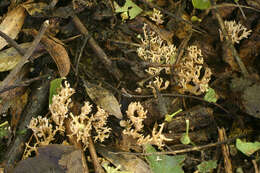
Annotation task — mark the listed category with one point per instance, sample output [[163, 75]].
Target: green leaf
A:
[[211, 96], [207, 166], [55, 85], [131, 8], [164, 163], [201, 4], [247, 148]]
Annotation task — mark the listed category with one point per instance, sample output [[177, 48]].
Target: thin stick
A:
[[232, 5], [242, 12], [225, 150], [182, 47], [93, 153], [196, 148], [175, 95], [14, 73], [96, 48], [23, 83], [13, 43], [80, 54]]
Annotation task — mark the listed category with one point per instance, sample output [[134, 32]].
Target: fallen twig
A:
[[13, 74], [174, 95], [100, 53], [196, 148], [23, 83], [93, 153], [13, 43], [80, 55]]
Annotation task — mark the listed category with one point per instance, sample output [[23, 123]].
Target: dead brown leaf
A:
[[126, 162], [8, 96], [53, 158], [36, 9], [57, 52], [12, 24], [103, 98], [251, 100]]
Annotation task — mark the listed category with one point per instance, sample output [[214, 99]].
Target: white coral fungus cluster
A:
[[157, 17], [60, 105], [80, 125], [236, 31], [191, 76], [189, 72], [134, 127], [42, 130], [155, 50]]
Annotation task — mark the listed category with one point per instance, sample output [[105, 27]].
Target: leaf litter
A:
[[150, 60]]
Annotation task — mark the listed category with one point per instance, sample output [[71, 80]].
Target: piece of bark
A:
[[198, 116]]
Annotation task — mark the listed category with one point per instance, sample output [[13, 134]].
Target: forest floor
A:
[[130, 86]]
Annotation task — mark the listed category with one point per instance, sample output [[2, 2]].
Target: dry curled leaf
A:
[[12, 24], [57, 52], [36, 9], [103, 98], [126, 162]]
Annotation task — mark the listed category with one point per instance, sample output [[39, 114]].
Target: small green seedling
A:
[[168, 117], [185, 139]]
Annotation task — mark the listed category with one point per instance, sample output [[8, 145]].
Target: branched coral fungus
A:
[[60, 105], [191, 75], [236, 31], [42, 130], [80, 125], [157, 17], [134, 127], [155, 50], [189, 72]]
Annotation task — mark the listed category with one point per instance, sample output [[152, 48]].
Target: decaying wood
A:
[[198, 116], [37, 103]]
